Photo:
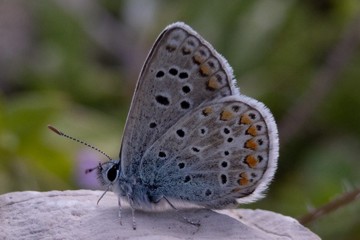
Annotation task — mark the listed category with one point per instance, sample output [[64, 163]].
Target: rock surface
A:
[[75, 215]]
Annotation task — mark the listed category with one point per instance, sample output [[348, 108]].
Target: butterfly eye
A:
[[112, 173]]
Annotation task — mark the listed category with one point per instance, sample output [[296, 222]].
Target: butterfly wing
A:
[[182, 71], [221, 151]]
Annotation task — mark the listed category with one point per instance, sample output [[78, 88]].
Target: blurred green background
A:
[[75, 63]]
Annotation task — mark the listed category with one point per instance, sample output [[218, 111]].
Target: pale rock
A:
[[75, 215]]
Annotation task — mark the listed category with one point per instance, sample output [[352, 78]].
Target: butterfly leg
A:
[[197, 223], [132, 212], [119, 203], [133, 218]]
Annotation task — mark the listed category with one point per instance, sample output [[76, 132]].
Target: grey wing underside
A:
[[221, 152], [182, 72]]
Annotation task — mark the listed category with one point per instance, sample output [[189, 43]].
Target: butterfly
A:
[[191, 137]]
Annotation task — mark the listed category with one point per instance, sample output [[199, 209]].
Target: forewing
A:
[[181, 72], [218, 153]]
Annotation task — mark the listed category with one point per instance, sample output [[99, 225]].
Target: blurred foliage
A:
[[74, 64]]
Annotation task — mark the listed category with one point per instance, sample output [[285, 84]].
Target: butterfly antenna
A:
[[58, 132]]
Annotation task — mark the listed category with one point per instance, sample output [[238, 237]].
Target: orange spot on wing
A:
[[197, 58], [245, 119], [251, 161], [251, 144], [244, 179], [205, 69], [213, 83], [226, 115], [207, 111], [252, 130]]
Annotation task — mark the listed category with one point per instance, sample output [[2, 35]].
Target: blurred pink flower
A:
[[87, 159]]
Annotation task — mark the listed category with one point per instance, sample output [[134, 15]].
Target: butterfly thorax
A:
[[139, 194]]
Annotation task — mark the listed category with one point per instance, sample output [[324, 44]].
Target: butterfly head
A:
[[108, 172]]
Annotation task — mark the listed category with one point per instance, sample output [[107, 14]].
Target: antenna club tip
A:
[[58, 132], [54, 129]]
